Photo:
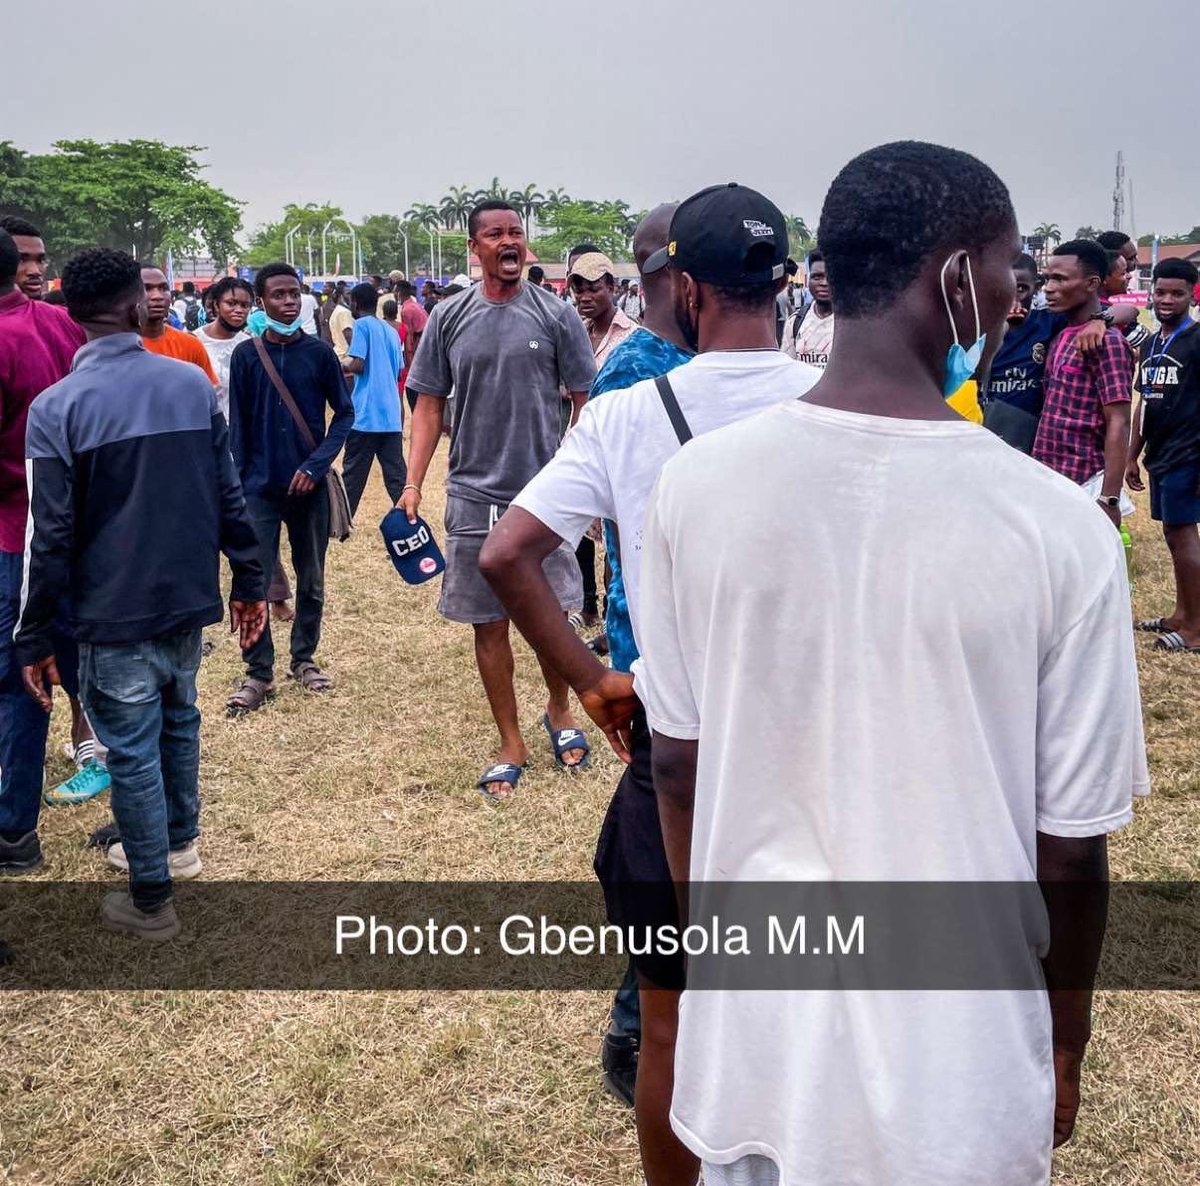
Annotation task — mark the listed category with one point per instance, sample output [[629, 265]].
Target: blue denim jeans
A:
[[141, 700], [23, 723], [626, 1015]]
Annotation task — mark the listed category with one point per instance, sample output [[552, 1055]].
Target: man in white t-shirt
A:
[[808, 335], [878, 645], [726, 251], [308, 310]]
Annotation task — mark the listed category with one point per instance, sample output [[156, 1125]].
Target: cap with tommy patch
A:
[[726, 234], [411, 546]]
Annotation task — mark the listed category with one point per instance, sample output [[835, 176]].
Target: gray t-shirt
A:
[[506, 363]]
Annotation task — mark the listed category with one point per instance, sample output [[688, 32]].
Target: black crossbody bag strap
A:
[[674, 412]]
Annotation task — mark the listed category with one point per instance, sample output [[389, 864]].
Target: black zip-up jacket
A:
[[133, 495]]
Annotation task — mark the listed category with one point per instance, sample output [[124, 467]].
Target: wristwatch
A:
[[1104, 315], [1109, 500]]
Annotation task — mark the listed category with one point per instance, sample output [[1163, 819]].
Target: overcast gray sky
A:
[[645, 101]]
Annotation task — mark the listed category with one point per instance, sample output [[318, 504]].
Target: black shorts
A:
[[631, 861]]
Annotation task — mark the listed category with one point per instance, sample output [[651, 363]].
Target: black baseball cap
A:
[[726, 234]]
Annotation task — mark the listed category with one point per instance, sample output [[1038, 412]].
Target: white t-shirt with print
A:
[[608, 463], [905, 648], [220, 351]]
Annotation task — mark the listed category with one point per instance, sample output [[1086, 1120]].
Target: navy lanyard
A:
[[1156, 358]]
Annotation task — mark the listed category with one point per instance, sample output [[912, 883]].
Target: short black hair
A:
[[583, 249], [405, 289], [1177, 269], [747, 298], [16, 225], [228, 284], [537, 274], [483, 208], [189, 288], [144, 266], [54, 297], [364, 296], [1113, 240], [893, 207], [10, 258], [791, 268], [816, 257], [275, 269], [1114, 257], [95, 279], [390, 309], [1026, 263], [1093, 258]]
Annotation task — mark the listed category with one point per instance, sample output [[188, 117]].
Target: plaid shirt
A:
[[1070, 437]]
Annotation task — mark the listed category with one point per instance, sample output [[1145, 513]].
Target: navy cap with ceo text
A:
[[726, 234], [411, 546]]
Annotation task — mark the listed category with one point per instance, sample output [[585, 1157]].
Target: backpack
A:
[[191, 314]]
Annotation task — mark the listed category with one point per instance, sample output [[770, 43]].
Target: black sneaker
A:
[[104, 837], [618, 1062], [20, 856]]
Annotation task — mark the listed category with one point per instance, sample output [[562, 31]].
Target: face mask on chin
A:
[[961, 364], [284, 328]]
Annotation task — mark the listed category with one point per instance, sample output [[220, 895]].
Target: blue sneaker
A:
[[87, 783]]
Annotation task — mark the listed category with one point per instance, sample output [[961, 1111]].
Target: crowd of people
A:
[[836, 611]]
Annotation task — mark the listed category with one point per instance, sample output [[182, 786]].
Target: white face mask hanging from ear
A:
[[962, 364]]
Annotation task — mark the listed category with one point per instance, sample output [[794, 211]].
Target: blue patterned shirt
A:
[[643, 355]]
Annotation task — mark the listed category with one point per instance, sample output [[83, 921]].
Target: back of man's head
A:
[[189, 289], [95, 281], [1112, 240], [363, 298], [893, 208], [404, 290]]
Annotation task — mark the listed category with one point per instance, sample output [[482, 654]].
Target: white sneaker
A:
[[118, 913], [183, 863]]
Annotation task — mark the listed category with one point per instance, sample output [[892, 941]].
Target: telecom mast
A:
[[1119, 194]]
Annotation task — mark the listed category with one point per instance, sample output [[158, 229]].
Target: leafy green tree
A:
[[268, 242], [606, 224], [382, 238], [139, 195], [1087, 232]]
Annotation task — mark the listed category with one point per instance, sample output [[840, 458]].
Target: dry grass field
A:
[[375, 782]]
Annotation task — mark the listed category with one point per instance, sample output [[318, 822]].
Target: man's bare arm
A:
[[674, 765], [511, 561], [1073, 874]]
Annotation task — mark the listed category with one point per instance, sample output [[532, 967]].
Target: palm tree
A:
[[424, 214], [456, 206], [556, 197], [529, 201], [1049, 232], [797, 229]]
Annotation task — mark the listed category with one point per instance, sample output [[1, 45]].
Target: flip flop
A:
[[506, 772], [1173, 641], [565, 739], [1152, 625]]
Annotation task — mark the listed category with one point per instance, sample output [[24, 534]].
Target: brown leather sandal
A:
[[250, 697], [311, 678]]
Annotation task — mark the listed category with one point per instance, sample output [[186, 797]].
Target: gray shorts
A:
[[466, 595]]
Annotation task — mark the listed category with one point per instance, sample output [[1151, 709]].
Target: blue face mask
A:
[[285, 328], [961, 364]]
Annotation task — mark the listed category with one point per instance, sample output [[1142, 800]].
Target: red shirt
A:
[[1070, 435], [37, 344], [403, 332]]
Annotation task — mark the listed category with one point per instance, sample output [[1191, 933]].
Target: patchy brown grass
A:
[[376, 781]]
